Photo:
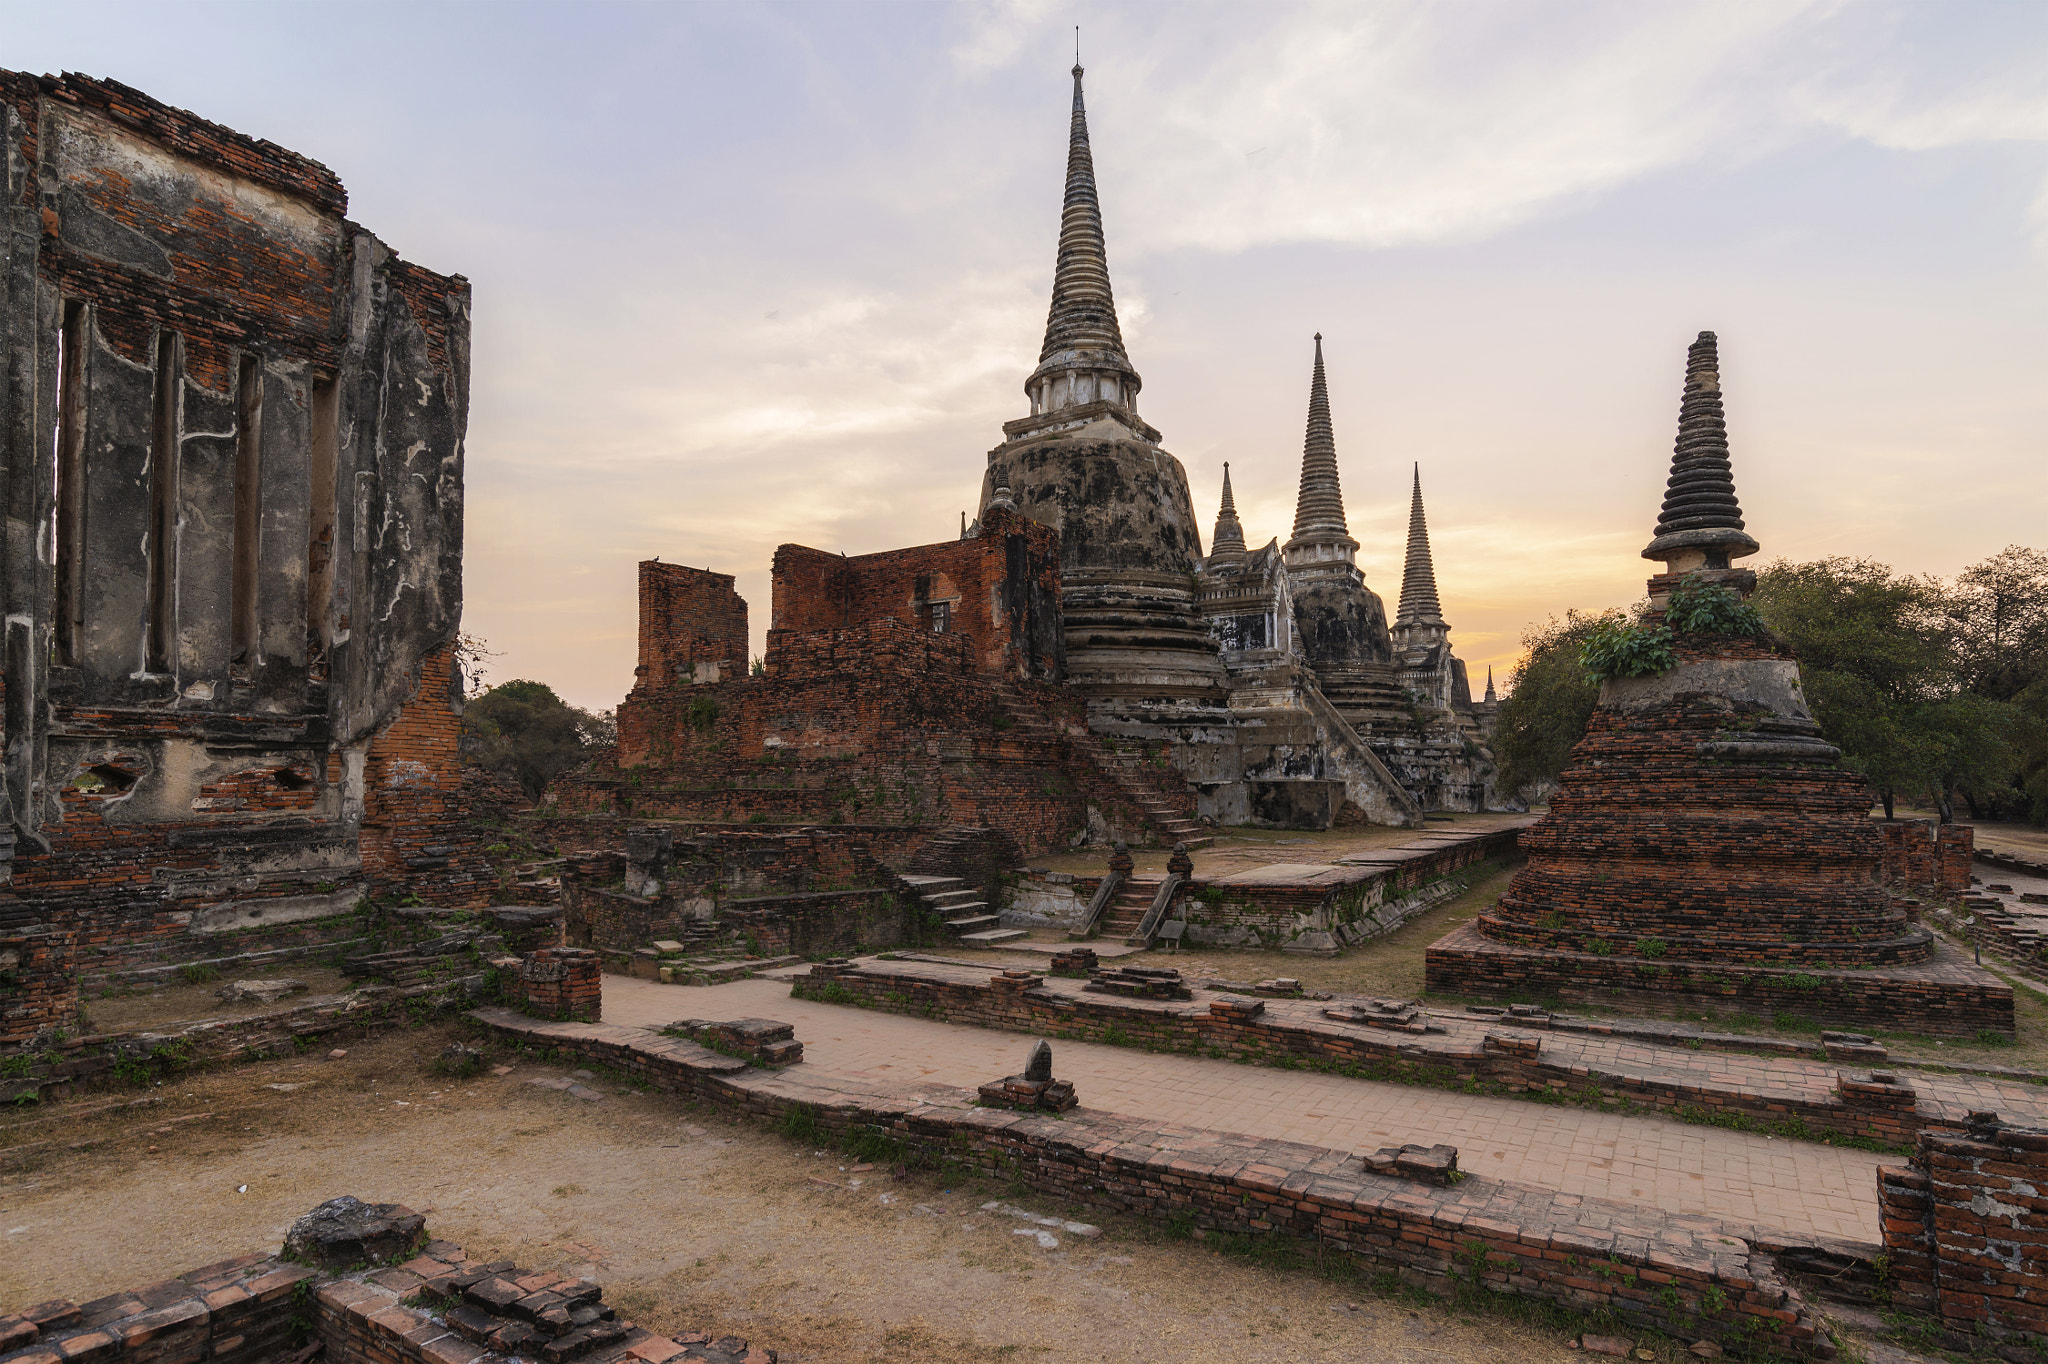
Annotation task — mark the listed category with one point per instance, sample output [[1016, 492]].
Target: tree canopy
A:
[[524, 731], [1549, 701], [1933, 690], [1887, 668]]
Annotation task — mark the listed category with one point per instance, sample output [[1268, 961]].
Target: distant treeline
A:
[[1937, 691]]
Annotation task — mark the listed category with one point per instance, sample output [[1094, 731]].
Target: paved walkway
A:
[[1740, 1178]]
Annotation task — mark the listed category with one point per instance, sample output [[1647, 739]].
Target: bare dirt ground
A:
[[689, 1221], [190, 1001]]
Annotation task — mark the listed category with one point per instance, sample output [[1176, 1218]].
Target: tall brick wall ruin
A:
[[693, 626], [998, 590], [865, 712], [242, 415]]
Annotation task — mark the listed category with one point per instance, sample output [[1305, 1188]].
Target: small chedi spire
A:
[[1419, 605], [1700, 525], [1228, 542], [1319, 508], [1490, 697], [1083, 359]]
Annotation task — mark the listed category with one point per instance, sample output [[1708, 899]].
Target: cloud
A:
[[1400, 123]]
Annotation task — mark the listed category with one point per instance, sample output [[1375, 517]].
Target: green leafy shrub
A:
[[1620, 650], [1704, 608]]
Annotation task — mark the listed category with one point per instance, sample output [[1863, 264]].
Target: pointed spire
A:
[[1083, 314], [1083, 359], [1490, 697], [1700, 517], [1419, 603], [1228, 542], [1319, 507]]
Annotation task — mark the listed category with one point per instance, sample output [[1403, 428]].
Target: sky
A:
[[754, 274]]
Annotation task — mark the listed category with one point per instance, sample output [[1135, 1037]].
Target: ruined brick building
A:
[[1075, 664], [231, 554]]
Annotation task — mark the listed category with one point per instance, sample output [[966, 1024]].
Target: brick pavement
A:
[[1735, 1177]]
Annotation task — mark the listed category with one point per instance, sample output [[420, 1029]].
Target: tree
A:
[[524, 731], [1878, 658], [1549, 700], [1998, 611]]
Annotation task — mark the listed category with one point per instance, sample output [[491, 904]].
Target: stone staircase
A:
[[965, 912], [541, 882], [1169, 822], [1120, 917]]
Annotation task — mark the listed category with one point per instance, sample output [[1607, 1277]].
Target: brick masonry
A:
[[191, 719], [693, 626], [1686, 1276], [1704, 844], [262, 1307], [562, 982], [1966, 1232], [1944, 996], [864, 711], [1283, 1032]]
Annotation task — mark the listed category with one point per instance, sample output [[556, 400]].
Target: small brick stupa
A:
[[1706, 849]]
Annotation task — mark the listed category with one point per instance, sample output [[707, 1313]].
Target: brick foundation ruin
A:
[[230, 694], [1686, 1276], [1966, 1235], [426, 1304], [1706, 848]]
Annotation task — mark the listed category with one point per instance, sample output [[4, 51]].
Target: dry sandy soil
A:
[[689, 1221]]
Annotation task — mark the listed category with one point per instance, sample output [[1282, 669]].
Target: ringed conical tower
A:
[[1343, 623], [1084, 462], [1226, 546], [1706, 848]]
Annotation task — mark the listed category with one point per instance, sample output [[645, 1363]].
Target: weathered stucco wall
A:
[[231, 445]]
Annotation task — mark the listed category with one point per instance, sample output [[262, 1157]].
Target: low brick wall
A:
[[1672, 1274], [57, 1070], [1944, 996], [235, 1312], [1966, 1232], [1885, 1112], [257, 1307]]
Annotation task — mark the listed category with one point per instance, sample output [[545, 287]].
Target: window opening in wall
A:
[[320, 545], [163, 504], [248, 508], [942, 617], [69, 502]]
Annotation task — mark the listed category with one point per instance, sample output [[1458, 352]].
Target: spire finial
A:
[[1700, 524], [1490, 697], [1228, 541], [1419, 605], [1319, 507], [1083, 359]]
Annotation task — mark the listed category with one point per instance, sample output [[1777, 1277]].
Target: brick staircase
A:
[[1165, 811], [965, 912], [1121, 915]]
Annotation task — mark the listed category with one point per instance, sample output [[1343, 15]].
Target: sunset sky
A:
[[748, 274]]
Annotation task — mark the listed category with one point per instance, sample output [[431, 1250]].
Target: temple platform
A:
[[1945, 996]]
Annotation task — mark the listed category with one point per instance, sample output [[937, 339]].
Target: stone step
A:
[[993, 936], [949, 898], [974, 923], [962, 907], [927, 884]]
